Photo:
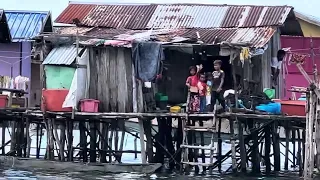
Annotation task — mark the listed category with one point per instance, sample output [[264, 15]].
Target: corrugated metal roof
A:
[[257, 37], [120, 16], [64, 55], [214, 16], [74, 11], [25, 25], [254, 37], [175, 16]]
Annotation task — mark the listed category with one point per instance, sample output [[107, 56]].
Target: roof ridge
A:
[[26, 11], [163, 4]]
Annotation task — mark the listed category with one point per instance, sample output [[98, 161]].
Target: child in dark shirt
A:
[[217, 83]]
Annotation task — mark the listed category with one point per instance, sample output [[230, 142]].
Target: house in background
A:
[[310, 27], [18, 28]]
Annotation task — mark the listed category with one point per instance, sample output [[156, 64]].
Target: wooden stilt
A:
[[219, 145], [286, 159], [293, 139], [309, 152], [123, 134], [110, 145], [103, 141], [62, 139], [147, 130], [93, 142], [38, 141], [233, 147], [276, 146], [13, 137], [135, 146], [169, 142], [28, 138], [255, 149], [142, 145], [267, 149], [56, 137], [300, 154], [70, 139], [203, 156], [3, 136], [243, 153], [83, 141], [179, 142]]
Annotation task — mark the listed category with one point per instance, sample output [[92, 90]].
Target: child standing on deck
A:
[[209, 89], [202, 85], [218, 81], [192, 83]]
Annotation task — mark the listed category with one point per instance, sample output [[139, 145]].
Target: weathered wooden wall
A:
[[111, 78]]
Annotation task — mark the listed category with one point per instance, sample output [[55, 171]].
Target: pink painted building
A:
[[300, 45]]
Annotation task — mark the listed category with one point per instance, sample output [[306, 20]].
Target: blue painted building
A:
[[17, 30]]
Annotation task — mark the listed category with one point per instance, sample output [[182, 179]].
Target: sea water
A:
[[11, 173]]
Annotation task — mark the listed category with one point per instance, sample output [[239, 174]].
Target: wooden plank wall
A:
[[111, 78]]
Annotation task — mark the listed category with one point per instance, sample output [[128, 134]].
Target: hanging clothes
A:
[[146, 58]]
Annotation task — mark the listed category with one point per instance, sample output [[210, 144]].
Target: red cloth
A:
[[193, 80], [202, 92]]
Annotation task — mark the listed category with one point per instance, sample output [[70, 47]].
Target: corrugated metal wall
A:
[[111, 79]]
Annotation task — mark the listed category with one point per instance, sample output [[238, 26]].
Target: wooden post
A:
[[179, 142], [103, 141], [62, 139], [93, 142], [309, 152], [219, 145], [110, 145], [243, 153], [3, 136], [142, 145], [255, 149], [70, 139], [147, 130], [233, 147], [276, 146], [203, 156], [267, 149], [28, 138], [135, 146], [83, 141], [300, 154], [293, 139], [13, 136], [38, 136], [286, 160]]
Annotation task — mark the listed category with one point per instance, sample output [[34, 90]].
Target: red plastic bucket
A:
[[89, 105], [3, 101], [53, 100]]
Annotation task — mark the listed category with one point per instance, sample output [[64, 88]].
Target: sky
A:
[[309, 7]]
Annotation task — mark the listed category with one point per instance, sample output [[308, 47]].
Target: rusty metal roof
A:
[[120, 16], [158, 16], [74, 11], [215, 16], [254, 37], [257, 37]]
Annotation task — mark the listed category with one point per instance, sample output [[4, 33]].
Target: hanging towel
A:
[[146, 57]]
